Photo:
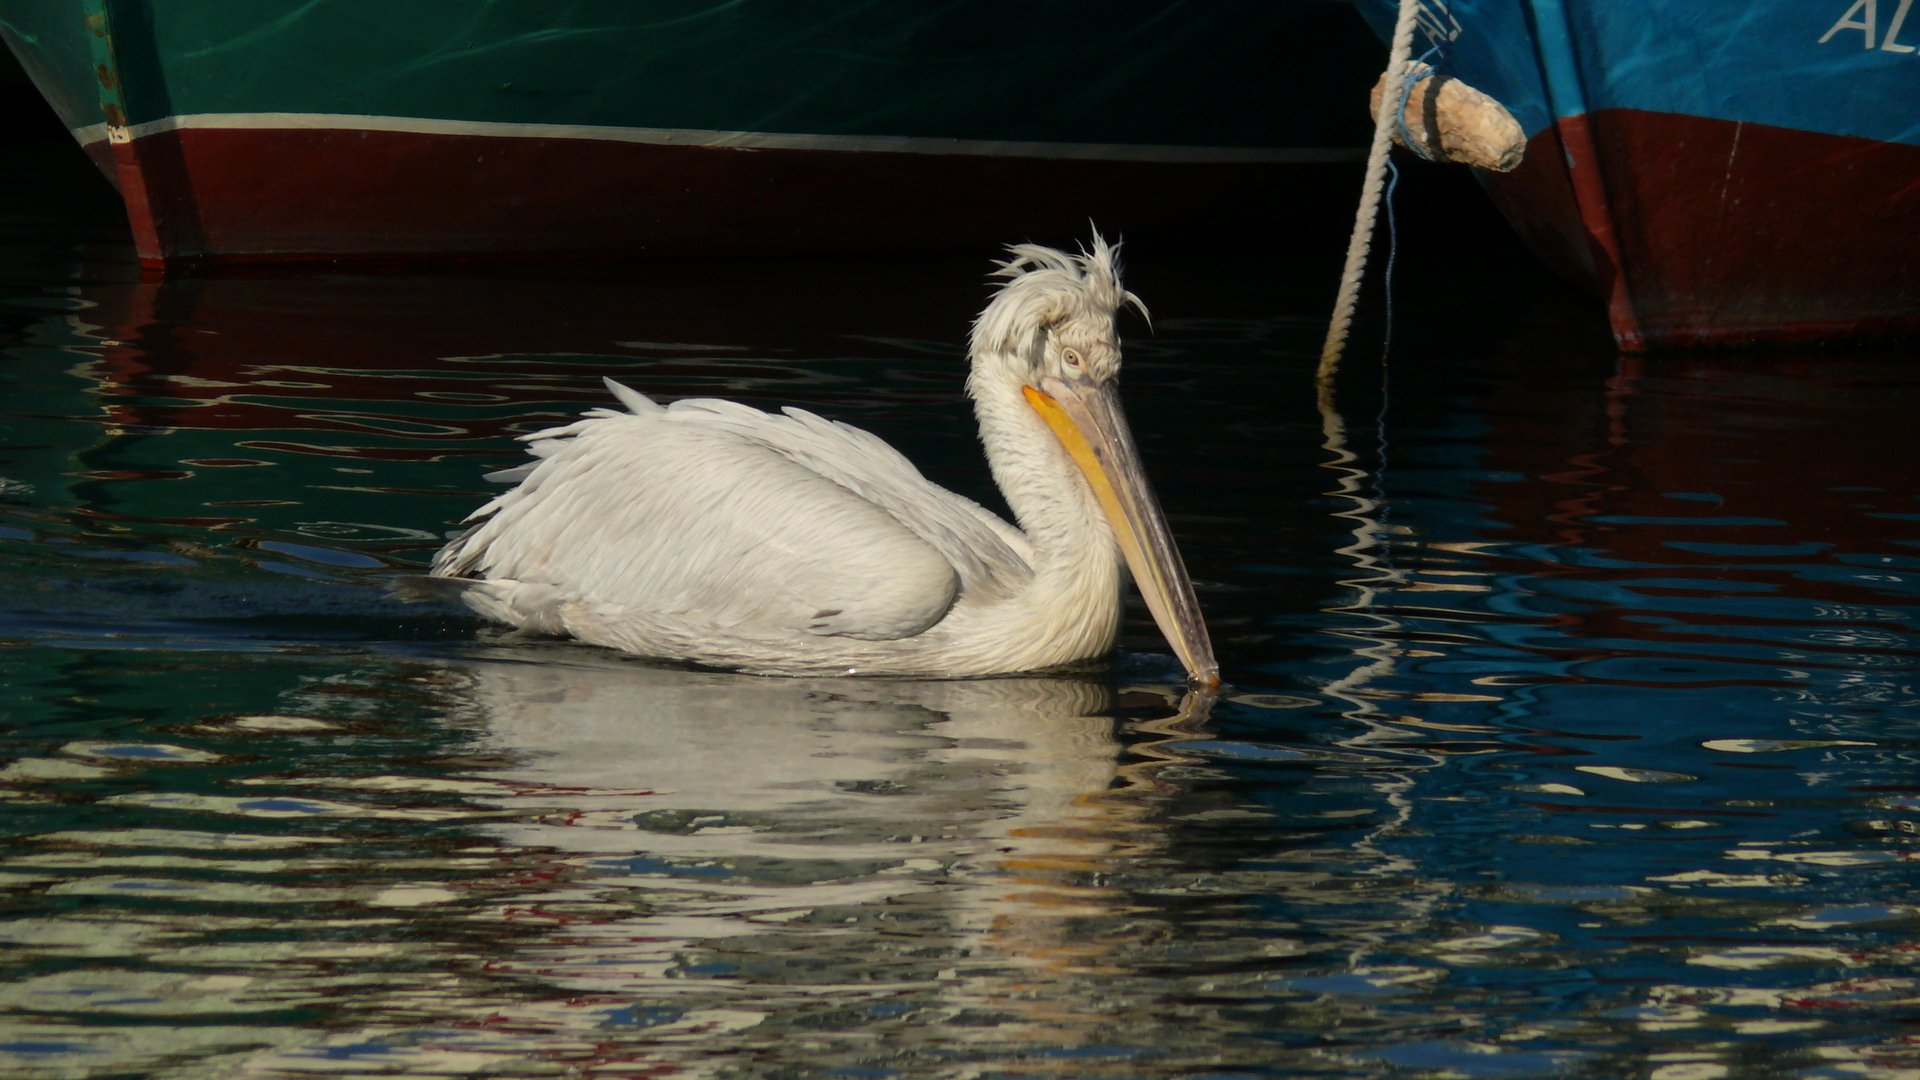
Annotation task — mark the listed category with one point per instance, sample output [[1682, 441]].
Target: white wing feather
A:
[[728, 517], [987, 553]]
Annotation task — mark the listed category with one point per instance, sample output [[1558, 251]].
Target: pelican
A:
[[713, 532]]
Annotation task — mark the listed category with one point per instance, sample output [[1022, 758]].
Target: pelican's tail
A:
[[429, 589]]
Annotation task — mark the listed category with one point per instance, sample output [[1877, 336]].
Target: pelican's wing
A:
[[727, 517], [987, 553]]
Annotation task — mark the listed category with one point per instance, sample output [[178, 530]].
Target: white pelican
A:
[[713, 532]]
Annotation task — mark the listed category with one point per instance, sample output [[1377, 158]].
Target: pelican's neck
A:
[[1074, 551]]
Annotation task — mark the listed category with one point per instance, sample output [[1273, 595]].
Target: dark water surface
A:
[[1572, 730]]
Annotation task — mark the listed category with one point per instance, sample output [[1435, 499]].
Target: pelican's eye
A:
[[1071, 356]]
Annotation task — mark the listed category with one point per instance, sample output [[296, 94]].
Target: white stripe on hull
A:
[[732, 140]]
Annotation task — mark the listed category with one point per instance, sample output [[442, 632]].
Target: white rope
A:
[[1376, 182]]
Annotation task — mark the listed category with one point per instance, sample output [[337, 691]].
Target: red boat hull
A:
[[264, 193], [1701, 231]]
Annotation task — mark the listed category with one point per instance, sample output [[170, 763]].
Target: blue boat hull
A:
[[1719, 172]]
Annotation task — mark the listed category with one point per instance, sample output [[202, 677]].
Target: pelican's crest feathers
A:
[[1045, 288]]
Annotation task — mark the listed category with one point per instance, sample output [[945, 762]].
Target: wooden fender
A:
[[1454, 122]]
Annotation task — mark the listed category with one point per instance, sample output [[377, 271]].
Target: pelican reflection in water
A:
[[713, 532], [893, 854]]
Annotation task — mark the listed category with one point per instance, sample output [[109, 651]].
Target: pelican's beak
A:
[[1086, 418]]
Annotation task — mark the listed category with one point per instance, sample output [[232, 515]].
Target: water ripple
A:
[[1572, 726]]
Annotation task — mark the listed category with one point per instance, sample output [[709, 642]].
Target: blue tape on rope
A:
[[1413, 75]]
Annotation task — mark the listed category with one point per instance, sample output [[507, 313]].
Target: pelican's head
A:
[[1050, 331], [1055, 314]]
